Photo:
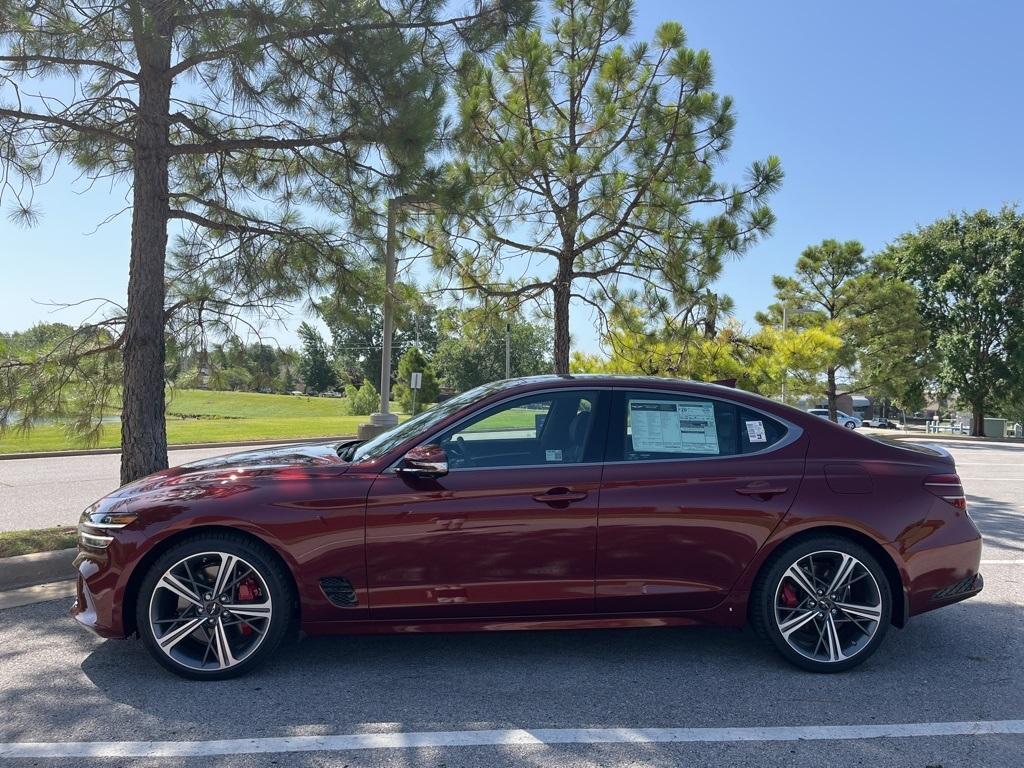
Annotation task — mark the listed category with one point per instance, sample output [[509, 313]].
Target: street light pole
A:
[[785, 369], [384, 419], [508, 350], [785, 325]]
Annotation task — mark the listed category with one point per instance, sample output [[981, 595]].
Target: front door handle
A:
[[560, 496], [763, 491]]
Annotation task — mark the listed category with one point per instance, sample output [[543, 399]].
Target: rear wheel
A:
[[824, 604], [214, 606]]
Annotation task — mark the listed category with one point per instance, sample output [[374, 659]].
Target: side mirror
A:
[[424, 461]]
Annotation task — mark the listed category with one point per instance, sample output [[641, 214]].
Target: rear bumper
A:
[[944, 575]]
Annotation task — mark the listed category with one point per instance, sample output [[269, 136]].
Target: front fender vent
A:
[[339, 591]]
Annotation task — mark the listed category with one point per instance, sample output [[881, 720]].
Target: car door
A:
[[509, 531], [692, 488]]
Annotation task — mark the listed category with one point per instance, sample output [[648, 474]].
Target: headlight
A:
[[95, 525]]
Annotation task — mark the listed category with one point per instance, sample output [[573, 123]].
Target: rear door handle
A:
[[560, 496], [763, 491]]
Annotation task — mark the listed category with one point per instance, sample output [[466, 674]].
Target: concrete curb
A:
[[180, 447], [42, 593], [38, 568]]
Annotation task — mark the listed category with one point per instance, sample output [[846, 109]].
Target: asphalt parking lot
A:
[[658, 697]]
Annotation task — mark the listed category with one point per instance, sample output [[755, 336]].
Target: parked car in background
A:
[[880, 423], [566, 502], [843, 419]]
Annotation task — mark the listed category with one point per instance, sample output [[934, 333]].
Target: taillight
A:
[[948, 488]]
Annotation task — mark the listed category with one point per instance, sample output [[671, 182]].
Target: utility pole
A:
[[508, 350], [785, 317], [383, 420], [785, 370]]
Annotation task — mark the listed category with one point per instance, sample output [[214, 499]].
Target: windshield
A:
[[385, 441]]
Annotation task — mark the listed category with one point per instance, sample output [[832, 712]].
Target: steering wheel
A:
[[458, 454]]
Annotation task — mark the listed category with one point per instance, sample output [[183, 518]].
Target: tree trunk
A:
[[831, 373], [978, 418], [561, 301], [143, 428]]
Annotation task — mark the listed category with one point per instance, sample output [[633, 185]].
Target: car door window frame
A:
[[596, 440], [616, 430]]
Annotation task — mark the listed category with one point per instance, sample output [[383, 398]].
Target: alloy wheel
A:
[[828, 606], [210, 611]]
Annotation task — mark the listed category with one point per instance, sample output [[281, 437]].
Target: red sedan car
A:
[[550, 502]]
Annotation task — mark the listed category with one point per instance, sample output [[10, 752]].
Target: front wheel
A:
[[823, 603], [851, 425], [214, 606]]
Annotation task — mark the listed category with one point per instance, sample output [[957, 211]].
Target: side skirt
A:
[[729, 613]]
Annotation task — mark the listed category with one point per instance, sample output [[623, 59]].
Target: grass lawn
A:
[[40, 540], [200, 416]]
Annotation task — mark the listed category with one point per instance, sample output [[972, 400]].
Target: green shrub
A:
[[362, 401], [414, 360]]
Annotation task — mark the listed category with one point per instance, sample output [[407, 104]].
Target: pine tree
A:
[[839, 289], [314, 365], [589, 159], [225, 118]]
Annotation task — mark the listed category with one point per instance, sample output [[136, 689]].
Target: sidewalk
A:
[[37, 577]]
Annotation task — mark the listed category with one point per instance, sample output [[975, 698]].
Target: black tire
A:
[[850, 425], [764, 614], [271, 576]]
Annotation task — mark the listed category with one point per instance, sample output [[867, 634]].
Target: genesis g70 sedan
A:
[[549, 502]]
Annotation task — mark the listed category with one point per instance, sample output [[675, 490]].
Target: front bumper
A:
[[97, 605]]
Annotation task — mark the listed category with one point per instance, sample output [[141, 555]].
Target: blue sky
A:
[[886, 115]]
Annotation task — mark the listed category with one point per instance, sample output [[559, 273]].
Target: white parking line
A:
[[427, 739], [1002, 562]]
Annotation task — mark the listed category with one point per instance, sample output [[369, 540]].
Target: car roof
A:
[[526, 384], [608, 379]]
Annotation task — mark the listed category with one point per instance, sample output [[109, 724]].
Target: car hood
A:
[[301, 455], [237, 468]]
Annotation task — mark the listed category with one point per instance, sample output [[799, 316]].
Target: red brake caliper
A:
[[248, 592], [789, 597]]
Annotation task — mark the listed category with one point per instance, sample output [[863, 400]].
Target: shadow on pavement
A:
[[656, 677], [1001, 524]]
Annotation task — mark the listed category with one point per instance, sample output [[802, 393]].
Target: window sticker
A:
[[553, 455], [668, 426], [755, 432]]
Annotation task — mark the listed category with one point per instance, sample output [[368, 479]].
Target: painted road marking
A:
[[1002, 562], [511, 737]]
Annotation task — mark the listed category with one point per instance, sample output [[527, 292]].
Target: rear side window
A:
[[659, 426], [758, 432]]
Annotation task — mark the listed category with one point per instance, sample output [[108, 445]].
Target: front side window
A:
[[395, 436], [548, 428], [660, 426]]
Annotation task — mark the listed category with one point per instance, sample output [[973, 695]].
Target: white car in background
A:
[[881, 422], [845, 419]]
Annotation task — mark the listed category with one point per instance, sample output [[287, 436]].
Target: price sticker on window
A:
[[755, 432], [670, 426]]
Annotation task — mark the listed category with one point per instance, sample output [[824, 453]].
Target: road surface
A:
[[38, 493]]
